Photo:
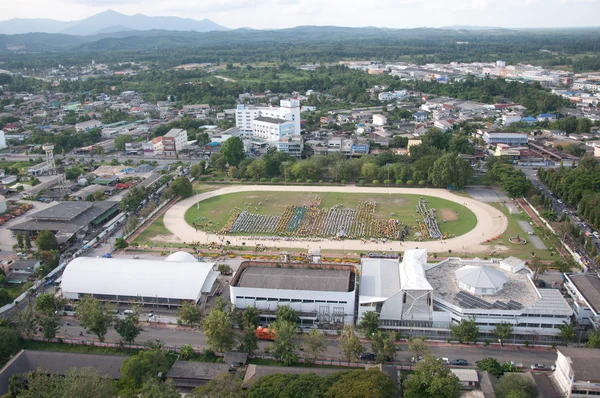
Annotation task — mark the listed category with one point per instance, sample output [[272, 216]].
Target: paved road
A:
[[176, 337], [490, 221]]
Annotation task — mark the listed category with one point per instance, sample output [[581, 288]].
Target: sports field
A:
[[213, 214]]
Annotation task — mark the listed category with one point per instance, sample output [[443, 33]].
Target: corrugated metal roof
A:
[[146, 278]]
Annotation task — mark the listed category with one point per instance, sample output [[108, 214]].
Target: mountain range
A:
[[106, 22]]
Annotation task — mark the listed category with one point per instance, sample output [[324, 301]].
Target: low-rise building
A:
[[323, 295], [272, 129], [180, 138], [292, 146], [88, 125], [584, 289], [498, 137]]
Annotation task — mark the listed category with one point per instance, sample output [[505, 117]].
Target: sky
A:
[[275, 14]]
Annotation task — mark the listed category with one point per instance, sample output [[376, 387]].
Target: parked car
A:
[[367, 356], [416, 359], [445, 361], [460, 362], [538, 366]]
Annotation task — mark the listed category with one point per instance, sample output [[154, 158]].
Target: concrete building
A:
[[179, 136], [2, 140], [293, 146], [179, 278], [288, 110], [39, 169], [323, 295], [164, 146], [397, 291], [584, 289], [88, 125], [577, 373], [505, 138], [379, 120], [271, 129]]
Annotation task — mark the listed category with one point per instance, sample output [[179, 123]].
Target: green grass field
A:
[[157, 228], [403, 207]]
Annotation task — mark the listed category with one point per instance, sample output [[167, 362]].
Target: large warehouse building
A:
[[323, 295], [179, 278]]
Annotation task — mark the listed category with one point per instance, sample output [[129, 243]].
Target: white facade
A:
[[88, 125], [2, 140], [480, 279], [288, 110], [512, 264], [181, 138], [272, 130], [510, 118], [577, 372], [379, 120], [584, 289], [316, 307], [168, 282]]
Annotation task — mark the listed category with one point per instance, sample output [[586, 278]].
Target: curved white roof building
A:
[[480, 279], [166, 282], [181, 257]]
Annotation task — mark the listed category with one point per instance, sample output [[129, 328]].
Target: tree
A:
[[369, 324], [383, 346], [197, 170], [49, 325], [218, 329], [27, 242], [48, 304], [73, 173], [256, 169], [94, 316], [233, 151], [465, 331], [136, 370], [315, 344], [593, 340], [251, 317], [285, 345], [567, 333], [4, 297], [167, 194], [46, 241], [129, 327], [515, 385], [189, 313], [121, 244], [154, 388], [431, 379], [9, 342], [76, 382], [490, 365], [121, 140], [224, 385], [26, 322], [182, 187], [502, 331], [248, 341], [350, 345], [537, 267], [186, 351], [370, 383], [287, 314], [419, 347], [224, 269], [19, 241], [98, 196]]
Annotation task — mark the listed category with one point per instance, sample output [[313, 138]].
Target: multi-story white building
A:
[[2, 140], [288, 110], [429, 298], [584, 289], [323, 295], [180, 137], [498, 137], [291, 145], [271, 129], [577, 373]]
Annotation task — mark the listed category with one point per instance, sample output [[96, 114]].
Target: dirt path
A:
[[490, 222]]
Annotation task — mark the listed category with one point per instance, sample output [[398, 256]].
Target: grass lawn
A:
[[157, 228], [16, 290], [403, 207], [514, 229]]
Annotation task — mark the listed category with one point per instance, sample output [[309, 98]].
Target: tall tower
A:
[[291, 111], [49, 149]]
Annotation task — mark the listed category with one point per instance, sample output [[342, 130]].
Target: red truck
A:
[[265, 333]]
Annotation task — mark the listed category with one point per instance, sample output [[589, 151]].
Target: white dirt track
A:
[[490, 222]]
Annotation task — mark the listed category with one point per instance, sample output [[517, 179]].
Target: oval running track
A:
[[490, 222]]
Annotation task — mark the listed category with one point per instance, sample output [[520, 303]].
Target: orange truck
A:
[[265, 333]]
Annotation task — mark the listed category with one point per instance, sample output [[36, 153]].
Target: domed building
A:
[[181, 257], [480, 279]]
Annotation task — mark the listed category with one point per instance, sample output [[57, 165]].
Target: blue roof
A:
[[213, 144], [528, 119], [546, 115]]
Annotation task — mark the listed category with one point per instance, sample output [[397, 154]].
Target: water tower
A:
[[49, 149]]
